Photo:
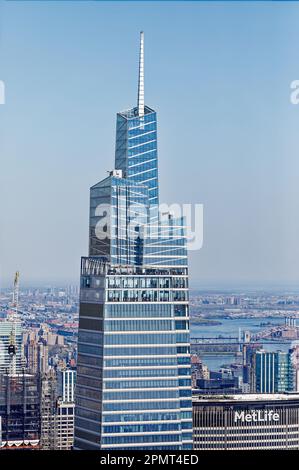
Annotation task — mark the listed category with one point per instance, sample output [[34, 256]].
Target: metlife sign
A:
[[256, 416]]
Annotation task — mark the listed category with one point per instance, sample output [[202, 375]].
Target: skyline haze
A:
[[225, 119]]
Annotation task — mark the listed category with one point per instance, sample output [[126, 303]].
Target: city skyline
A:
[[158, 311], [245, 178]]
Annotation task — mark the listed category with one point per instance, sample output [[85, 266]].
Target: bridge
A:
[[211, 345], [278, 334]]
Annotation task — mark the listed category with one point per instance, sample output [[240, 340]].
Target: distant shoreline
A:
[[204, 322]]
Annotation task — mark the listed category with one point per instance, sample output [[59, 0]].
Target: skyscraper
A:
[[65, 409], [133, 386], [20, 410], [136, 143], [10, 332], [273, 371], [66, 385], [64, 425], [37, 356]]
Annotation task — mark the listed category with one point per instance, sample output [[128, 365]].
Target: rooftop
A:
[[247, 397], [133, 112]]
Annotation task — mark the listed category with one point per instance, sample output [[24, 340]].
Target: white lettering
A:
[[260, 416]]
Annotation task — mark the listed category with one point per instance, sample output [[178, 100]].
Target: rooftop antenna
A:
[[140, 99]]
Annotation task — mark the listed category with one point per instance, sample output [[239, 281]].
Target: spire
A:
[[140, 100]]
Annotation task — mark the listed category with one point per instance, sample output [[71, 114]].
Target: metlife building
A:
[[246, 422]]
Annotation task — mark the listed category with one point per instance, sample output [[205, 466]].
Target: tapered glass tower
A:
[[133, 379]]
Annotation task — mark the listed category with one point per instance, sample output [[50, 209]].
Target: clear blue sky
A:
[[219, 76]]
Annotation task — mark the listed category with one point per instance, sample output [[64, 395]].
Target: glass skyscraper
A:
[[136, 151], [273, 371], [9, 330], [133, 386]]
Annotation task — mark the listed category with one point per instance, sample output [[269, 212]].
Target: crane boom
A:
[[15, 295]]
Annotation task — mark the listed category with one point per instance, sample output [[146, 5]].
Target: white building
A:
[[64, 424], [66, 385], [9, 329]]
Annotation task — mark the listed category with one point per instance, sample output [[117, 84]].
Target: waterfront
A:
[[231, 327]]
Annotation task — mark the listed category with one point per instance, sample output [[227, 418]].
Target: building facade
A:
[[20, 410], [11, 332], [64, 425], [246, 422], [48, 407], [66, 380], [37, 356], [273, 372], [133, 386]]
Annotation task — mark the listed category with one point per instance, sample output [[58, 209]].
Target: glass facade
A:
[[133, 387], [273, 372], [20, 410], [7, 328], [118, 218], [136, 152], [165, 244]]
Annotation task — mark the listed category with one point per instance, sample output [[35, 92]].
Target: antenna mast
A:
[[140, 99]]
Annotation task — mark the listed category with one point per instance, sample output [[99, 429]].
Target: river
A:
[[230, 327]]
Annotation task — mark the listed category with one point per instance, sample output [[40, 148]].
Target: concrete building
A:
[[64, 425], [37, 356]]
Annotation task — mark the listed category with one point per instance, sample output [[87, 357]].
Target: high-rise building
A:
[[136, 143], [57, 415], [20, 410], [48, 406], [65, 410], [37, 355], [20, 398], [42, 357], [295, 363], [133, 386], [273, 371], [11, 332], [66, 380], [30, 351], [64, 425]]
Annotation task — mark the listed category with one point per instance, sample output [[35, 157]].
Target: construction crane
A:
[[15, 294], [12, 347]]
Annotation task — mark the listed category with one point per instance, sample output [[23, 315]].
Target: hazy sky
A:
[[218, 75]]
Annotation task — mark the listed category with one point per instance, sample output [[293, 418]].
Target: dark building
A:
[[20, 410], [220, 385]]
